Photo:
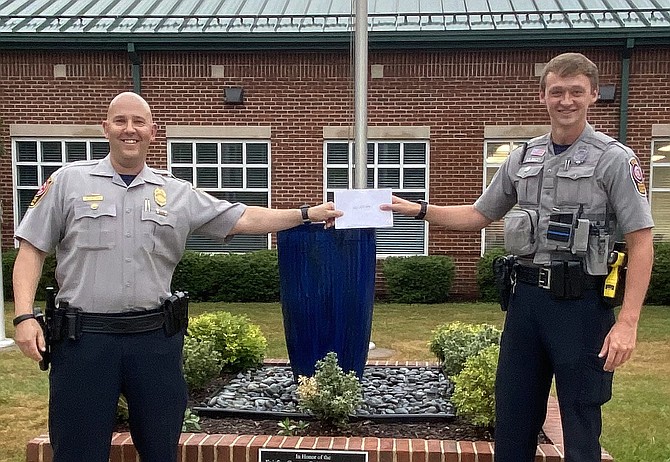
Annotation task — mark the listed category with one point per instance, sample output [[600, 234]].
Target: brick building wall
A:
[[454, 92]]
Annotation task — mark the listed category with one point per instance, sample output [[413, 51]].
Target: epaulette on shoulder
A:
[[75, 165], [601, 140], [165, 173], [168, 175], [538, 140], [82, 163]]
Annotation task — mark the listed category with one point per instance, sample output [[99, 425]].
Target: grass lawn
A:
[[636, 421]]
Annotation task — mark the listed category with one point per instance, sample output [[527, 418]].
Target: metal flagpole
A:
[[361, 100], [361, 95], [4, 342]]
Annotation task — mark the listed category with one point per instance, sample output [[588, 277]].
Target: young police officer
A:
[[574, 186], [119, 229]]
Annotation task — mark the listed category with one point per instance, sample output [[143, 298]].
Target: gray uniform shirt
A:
[[596, 178], [117, 246]]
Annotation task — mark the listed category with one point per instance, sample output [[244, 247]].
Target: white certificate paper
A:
[[361, 208]]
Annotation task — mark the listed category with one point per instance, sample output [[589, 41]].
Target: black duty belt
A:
[[130, 322], [541, 277]]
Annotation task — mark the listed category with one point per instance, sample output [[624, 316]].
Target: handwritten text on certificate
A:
[[361, 208]]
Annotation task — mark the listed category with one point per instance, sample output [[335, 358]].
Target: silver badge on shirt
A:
[[581, 155]]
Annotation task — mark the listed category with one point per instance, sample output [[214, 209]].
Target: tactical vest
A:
[[563, 211]]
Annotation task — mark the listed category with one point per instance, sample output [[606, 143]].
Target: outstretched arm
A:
[[262, 220], [454, 217], [27, 271]]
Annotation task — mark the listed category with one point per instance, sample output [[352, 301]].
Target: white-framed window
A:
[[35, 159], [233, 170], [659, 190], [399, 165], [495, 153]]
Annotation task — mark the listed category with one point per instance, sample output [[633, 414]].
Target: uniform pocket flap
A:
[[94, 210], [528, 170], [162, 219], [577, 172]]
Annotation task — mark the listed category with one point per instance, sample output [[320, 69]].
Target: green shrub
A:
[[659, 286], [455, 342], [485, 280], [255, 279], [249, 277], [474, 388], [48, 274], [202, 362], [331, 395], [122, 414], [191, 422], [419, 279], [240, 343], [194, 274]]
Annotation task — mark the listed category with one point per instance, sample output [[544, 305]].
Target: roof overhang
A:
[[415, 40]]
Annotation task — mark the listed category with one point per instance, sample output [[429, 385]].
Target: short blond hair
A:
[[569, 65]]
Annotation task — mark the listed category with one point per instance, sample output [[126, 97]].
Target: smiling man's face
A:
[[130, 130], [568, 99]]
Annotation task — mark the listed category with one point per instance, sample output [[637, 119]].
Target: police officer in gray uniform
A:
[[574, 188], [119, 228]]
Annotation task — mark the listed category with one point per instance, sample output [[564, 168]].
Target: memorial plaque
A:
[[297, 455]]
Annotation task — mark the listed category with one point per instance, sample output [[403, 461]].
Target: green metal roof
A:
[[220, 24]]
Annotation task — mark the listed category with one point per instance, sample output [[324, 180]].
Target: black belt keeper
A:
[[131, 322], [543, 277]]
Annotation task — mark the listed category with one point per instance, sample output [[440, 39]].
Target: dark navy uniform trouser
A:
[[86, 378], [545, 337]]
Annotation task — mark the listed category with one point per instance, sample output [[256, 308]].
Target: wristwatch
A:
[[305, 215], [424, 207], [22, 317]]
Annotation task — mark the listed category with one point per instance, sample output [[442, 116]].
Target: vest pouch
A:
[[566, 280], [520, 230], [595, 259]]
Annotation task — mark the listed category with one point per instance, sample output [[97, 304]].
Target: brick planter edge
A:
[[201, 447]]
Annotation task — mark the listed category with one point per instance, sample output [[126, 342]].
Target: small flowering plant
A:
[[331, 395], [288, 427]]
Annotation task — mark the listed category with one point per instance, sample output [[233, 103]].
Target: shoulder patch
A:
[[41, 193], [637, 176]]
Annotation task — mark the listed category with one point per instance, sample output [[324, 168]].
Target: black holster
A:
[[46, 354], [175, 310], [45, 320], [617, 300], [66, 323], [503, 273]]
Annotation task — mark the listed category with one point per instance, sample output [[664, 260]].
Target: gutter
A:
[[625, 89], [137, 68]]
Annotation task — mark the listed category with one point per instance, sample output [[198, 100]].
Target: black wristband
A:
[[424, 208], [22, 317], [305, 215]]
